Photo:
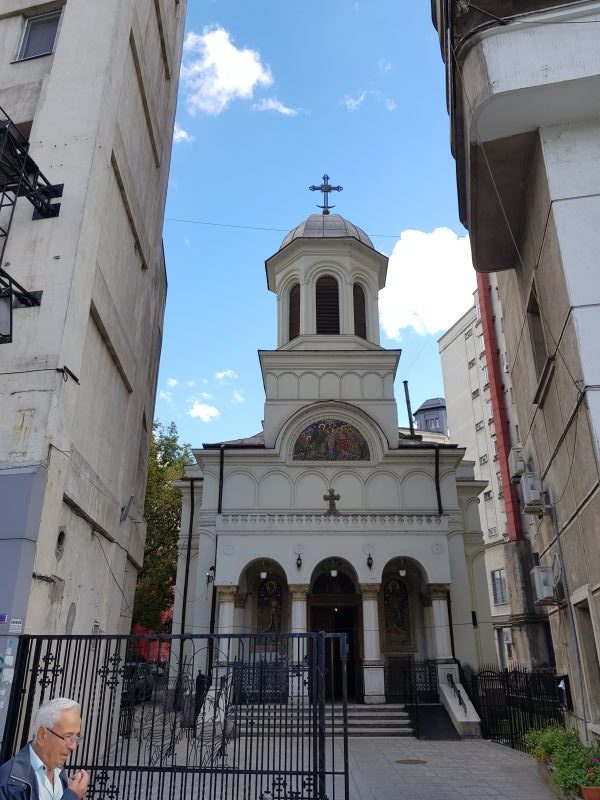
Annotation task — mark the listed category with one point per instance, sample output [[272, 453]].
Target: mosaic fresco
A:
[[331, 440]]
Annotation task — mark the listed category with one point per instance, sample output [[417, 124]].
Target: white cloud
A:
[[273, 104], [166, 396], [215, 71], [181, 135], [237, 397], [353, 103], [206, 395], [226, 375], [384, 66], [430, 283], [172, 382], [204, 412]]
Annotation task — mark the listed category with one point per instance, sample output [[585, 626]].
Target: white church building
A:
[[331, 518]]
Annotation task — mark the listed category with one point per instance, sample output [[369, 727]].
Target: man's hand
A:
[[79, 783]]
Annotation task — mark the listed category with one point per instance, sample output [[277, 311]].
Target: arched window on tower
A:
[[360, 311], [328, 306], [294, 312]]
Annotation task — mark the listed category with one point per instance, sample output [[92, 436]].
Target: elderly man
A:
[[36, 772]]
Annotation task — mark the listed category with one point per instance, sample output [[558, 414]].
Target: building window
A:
[[468, 334], [485, 373], [475, 393], [328, 306], [499, 589], [472, 362], [536, 333], [479, 425], [294, 318], [39, 36], [492, 531], [487, 495], [483, 459], [360, 311]]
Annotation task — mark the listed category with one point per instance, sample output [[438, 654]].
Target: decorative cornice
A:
[[307, 522]]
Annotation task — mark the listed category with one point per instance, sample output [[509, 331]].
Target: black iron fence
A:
[[236, 717], [411, 682], [511, 702]]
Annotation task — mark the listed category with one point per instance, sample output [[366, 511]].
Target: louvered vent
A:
[[360, 315], [294, 327], [328, 306]]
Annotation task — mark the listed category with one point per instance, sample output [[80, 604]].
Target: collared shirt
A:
[[45, 789]]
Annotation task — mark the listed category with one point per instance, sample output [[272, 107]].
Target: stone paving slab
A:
[[469, 769]]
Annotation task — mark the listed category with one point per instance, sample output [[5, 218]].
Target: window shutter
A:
[[294, 318], [328, 306], [360, 314]]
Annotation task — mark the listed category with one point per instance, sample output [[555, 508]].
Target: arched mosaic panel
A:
[[331, 440], [396, 610]]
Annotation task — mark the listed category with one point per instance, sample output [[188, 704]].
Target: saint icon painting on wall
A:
[[398, 632], [331, 440], [269, 607]]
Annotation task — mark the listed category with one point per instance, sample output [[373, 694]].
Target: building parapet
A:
[[370, 522]]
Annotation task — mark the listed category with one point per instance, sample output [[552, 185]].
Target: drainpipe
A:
[[511, 501], [409, 409], [438, 490]]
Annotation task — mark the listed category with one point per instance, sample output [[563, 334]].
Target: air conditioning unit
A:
[[516, 464], [533, 496], [507, 633], [543, 585]]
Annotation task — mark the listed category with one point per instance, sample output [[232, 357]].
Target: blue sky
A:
[[272, 96]]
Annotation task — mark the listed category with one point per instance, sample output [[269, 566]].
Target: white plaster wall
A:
[[102, 110]]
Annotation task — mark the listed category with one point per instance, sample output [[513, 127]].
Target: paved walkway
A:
[[453, 770]]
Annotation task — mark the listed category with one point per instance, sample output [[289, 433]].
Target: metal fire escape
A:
[[20, 176]]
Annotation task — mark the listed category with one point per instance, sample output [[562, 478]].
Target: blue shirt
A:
[[45, 789]]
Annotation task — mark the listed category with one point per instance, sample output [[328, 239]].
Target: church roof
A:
[[325, 226], [433, 402]]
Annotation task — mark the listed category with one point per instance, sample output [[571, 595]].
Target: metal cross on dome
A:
[[326, 187]]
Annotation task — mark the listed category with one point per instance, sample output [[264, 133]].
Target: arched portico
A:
[[334, 606]]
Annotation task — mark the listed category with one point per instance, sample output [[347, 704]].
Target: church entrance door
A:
[[337, 619]]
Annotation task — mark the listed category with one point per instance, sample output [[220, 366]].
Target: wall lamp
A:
[[210, 575], [370, 561], [299, 561], [402, 569]]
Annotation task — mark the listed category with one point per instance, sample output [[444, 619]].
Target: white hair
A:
[[48, 713]]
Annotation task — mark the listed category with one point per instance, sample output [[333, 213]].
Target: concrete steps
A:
[[363, 720]]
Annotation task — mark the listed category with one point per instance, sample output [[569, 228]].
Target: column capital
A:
[[226, 594], [438, 591], [370, 591], [239, 601], [299, 591]]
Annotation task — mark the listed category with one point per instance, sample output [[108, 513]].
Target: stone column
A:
[[441, 623], [428, 625], [226, 597], [299, 672], [239, 604], [374, 684]]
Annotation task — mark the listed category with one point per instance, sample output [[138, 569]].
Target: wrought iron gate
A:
[[511, 702], [237, 717]]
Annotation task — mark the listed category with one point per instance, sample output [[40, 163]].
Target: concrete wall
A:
[[101, 110]]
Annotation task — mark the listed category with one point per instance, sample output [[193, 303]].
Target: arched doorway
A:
[[334, 607]]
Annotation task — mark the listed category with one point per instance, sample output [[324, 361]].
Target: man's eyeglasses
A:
[[72, 738]]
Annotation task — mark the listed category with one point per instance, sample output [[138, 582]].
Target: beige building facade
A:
[[472, 421], [78, 380], [525, 120]]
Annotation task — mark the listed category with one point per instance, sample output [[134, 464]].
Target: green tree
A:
[[162, 510]]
